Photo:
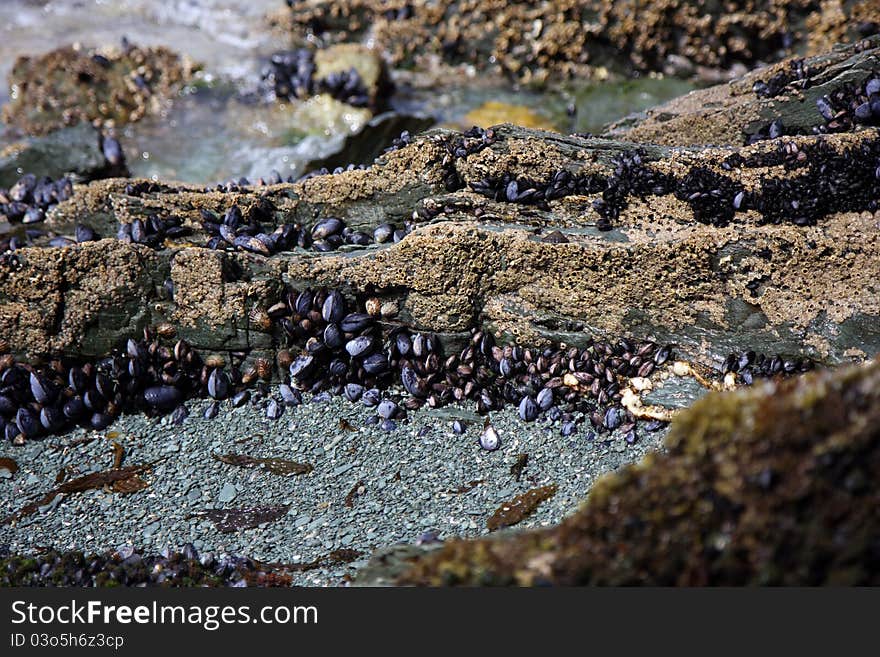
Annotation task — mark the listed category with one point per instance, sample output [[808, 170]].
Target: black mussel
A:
[[333, 336], [337, 367], [662, 355], [218, 384], [274, 410], [355, 322], [100, 421], [74, 408], [411, 381], [375, 364], [545, 399], [162, 397], [489, 438], [327, 227], [301, 366], [28, 423], [403, 343], [353, 391], [528, 409], [241, 398], [371, 397], [359, 346], [42, 391], [612, 418], [290, 396], [51, 418], [333, 309], [180, 414], [303, 303], [211, 410], [387, 409], [383, 233]]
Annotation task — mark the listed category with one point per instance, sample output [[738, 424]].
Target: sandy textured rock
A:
[[730, 113], [773, 485], [659, 273], [535, 42], [112, 86]]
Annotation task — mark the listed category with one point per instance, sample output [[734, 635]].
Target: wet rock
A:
[[788, 98], [70, 85], [534, 43], [76, 150]]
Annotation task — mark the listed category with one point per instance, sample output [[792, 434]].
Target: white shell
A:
[[489, 439]]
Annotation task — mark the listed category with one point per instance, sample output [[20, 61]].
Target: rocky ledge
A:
[[537, 236]]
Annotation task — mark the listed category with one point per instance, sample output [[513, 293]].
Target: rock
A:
[[342, 58], [368, 144], [534, 42], [494, 113], [745, 494], [76, 151], [732, 113], [70, 85], [227, 493], [711, 289]]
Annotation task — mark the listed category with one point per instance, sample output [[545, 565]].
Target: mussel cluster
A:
[[152, 231], [846, 180], [232, 231], [842, 110], [850, 105], [28, 200], [795, 74], [291, 74], [146, 375], [346, 350], [459, 146], [749, 365], [128, 568]]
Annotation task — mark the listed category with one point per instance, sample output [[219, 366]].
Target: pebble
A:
[[407, 476], [227, 493]]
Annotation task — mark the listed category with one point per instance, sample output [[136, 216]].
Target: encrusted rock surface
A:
[[535, 42], [111, 87], [766, 486], [658, 273], [730, 114]]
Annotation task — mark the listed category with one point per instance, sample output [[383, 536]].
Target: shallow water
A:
[[209, 135]]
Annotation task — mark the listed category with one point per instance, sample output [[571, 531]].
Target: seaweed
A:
[[8, 464], [353, 494], [282, 467], [522, 460], [232, 520], [520, 507], [119, 480], [465, 488]]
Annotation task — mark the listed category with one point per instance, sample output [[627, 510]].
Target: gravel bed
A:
[[407, 476]]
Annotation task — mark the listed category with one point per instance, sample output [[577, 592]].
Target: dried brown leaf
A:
[[276, 466], [9, 464], [520, 507]]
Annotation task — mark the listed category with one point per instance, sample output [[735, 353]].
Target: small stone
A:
[[227, 493]]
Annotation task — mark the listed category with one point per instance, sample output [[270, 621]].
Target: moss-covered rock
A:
[[773, 485]]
